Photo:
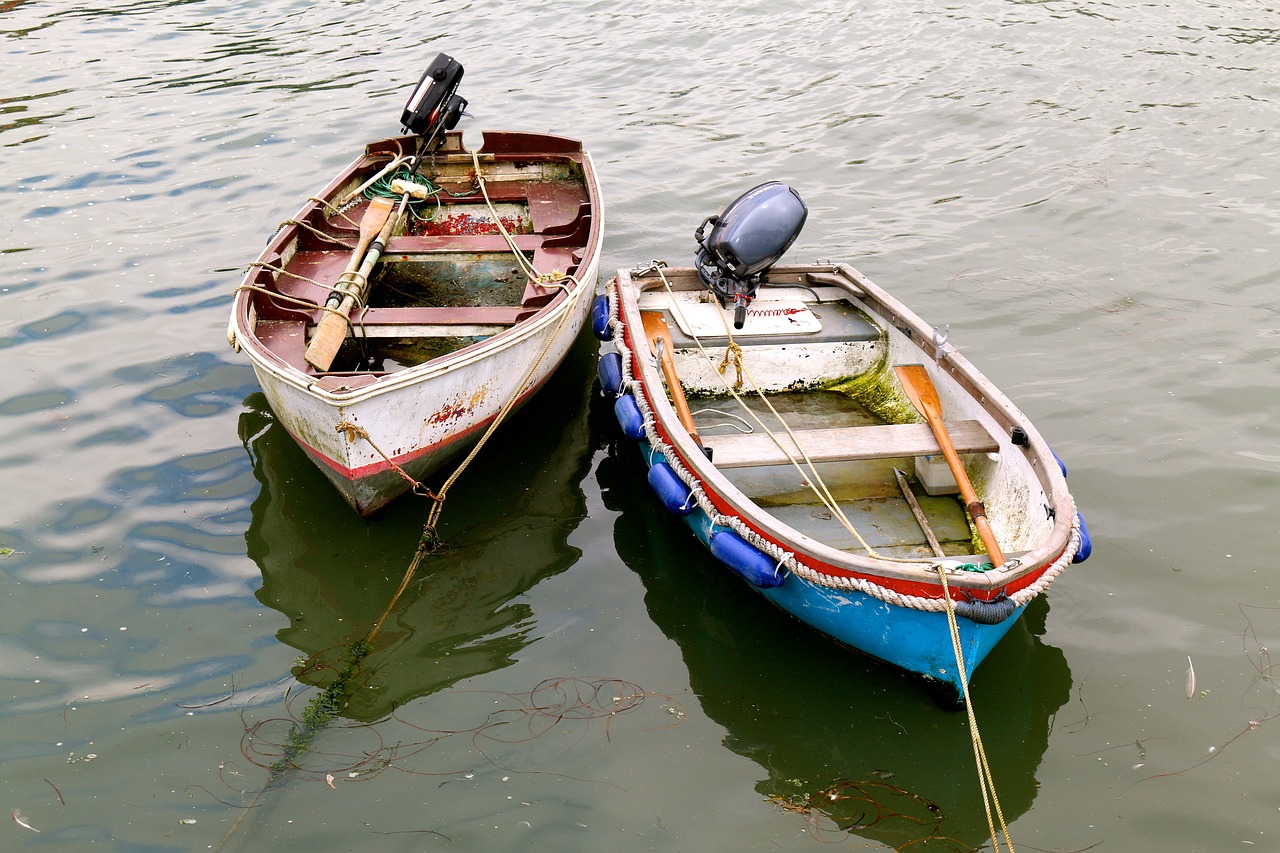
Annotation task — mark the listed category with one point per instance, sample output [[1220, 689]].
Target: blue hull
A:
[[914, 640], [891, 608]]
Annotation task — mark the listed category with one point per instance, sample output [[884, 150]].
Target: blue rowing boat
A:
[[830, 448]]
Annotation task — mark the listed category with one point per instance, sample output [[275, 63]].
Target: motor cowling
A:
[[749, 237], [435, 106]]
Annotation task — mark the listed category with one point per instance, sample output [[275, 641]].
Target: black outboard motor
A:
[[754, 231], [435, 106]]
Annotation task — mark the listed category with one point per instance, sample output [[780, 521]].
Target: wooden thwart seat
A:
[[461, 321], [844, 444]]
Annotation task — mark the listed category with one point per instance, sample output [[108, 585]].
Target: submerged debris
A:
[[21, 821]]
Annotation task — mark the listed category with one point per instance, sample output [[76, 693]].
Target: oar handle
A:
[[660, 343], [677, 392], [977, 511], [375, 230]]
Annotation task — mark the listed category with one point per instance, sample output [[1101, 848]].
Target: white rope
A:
[[811, 478]]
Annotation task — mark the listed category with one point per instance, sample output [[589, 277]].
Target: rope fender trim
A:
[[786, 559]]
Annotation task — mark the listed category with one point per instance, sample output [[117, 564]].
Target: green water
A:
[[1084, 194]]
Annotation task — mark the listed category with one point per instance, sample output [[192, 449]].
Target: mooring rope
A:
[[430, 538], [985, 780], [439, 497], [551, 279], [811, 478]]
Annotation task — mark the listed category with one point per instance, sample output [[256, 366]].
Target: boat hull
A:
[[476, 300], [373, 448], [743, 501], [917, 641]]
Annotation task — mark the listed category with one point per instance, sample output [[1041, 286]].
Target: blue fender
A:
[[1086, 542], [746, 559], [670, 489], [600, 318], [609, 369], [627, 411]]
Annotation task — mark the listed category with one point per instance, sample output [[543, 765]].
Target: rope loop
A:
[[732, 355], [352, 432]]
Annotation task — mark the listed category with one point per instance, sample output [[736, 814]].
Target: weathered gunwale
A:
[[517, 153], [373, 432], [895, 318]]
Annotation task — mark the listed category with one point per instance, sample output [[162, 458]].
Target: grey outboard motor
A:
[[752, 233]]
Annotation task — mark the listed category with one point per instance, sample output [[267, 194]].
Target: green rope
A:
[[381, 188]]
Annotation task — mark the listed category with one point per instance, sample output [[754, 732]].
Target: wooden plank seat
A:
[[453, 321], [846, 444], [547, 254], [404, 248], [556, 207], [564, 259]]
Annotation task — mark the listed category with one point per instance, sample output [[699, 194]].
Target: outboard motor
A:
[[750, 236], [435, 106]]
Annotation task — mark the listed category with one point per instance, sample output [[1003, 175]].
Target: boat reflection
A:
[[507, 521], [851, 744]]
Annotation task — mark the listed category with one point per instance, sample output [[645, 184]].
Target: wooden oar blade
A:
[[655, 330], [919, 389], [924, 396], [327, 339]]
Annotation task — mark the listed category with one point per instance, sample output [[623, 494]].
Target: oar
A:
[[920, 391], [659, 335], [331, 331], [918, 513]]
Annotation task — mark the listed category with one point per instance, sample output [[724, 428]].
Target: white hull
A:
[[476, 301]]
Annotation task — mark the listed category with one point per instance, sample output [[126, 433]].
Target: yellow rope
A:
[[732, 355], [985, 780], [987, 783], [429, 530], [305, 303], [439, 497], [355, 431], [811, 477], [386, 170], [551, 279], [330, 238]]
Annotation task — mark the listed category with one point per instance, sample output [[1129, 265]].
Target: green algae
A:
[[877, 391], [323, 708]]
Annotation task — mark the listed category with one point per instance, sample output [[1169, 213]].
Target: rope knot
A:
[[732, 352], [351, 431]]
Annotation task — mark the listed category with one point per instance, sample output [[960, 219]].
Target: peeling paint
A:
[[470, 224], [459, 407]]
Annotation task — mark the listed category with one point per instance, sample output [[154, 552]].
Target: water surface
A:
[[1084, 193]]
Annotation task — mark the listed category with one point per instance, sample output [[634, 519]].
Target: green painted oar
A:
[[920, 391]]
